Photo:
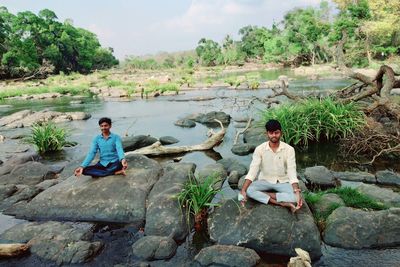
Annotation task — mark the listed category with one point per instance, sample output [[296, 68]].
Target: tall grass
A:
[[47, 137], [316, 120], [197, 195], [155, 86]]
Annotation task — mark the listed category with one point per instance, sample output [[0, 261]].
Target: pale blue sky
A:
[[151, 26]]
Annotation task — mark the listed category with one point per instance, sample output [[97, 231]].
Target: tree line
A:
[[359, 32], [37, 45]]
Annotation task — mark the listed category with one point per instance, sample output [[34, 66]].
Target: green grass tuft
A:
[[47, 137], [315, 120]]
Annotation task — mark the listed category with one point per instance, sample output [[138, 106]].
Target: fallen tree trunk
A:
[[13, 250], [157, 149]]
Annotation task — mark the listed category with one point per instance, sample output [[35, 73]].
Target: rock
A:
[[10, 164], [254, 136], [164, 216], [244, 119], [27, 118], [29, 173], [14, 117], [356, 229], [7, 190], [131, 143], [220, 255], [355, 176], [215, 170], [388, 178], [326, 202], [77, 116], [319, 176], [154, 248], [265, 228], [209, 118], [384, 195], [2, 138], [64, 243], [119, 199], [168, 140], [25, 193], [395, 91], [76, 102], [240, 125], [231, 164], [302, 185], [185, 123], [233, 179], [242, 149], [46, 184]]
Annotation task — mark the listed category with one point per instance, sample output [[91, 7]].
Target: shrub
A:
[[316, 120], [47, 137]]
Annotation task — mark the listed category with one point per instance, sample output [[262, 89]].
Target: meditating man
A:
[[112, 158], [277, 182]]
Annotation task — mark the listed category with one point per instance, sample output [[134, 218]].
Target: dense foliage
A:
[[38, 45], [369, 29]]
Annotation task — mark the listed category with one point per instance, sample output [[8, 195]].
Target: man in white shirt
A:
[[275, 160]]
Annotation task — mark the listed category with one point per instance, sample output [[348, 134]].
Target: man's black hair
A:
[[273, 125], [106, 120]]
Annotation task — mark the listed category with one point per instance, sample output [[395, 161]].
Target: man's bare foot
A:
[[290, 206], [120, 172]]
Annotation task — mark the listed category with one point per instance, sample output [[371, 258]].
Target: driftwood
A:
[[242, 131], [157, 149], [13, 250]]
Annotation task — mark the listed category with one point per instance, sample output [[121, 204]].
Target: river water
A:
[[156, 117]]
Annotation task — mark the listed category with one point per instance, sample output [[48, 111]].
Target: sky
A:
[[151, 26]]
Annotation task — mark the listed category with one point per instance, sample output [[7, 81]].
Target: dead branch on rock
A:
[[157, 149], [242, 131], [13, 250]]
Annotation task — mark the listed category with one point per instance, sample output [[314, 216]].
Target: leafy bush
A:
[[47, 137], [315, 120]]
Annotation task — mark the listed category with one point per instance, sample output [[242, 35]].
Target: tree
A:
[[252, 40], [209, 52]]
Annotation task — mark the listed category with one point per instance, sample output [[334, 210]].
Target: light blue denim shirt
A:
[[110, 150]]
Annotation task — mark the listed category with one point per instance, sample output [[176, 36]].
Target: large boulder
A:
[[265, 228], [10, 164], [119, 198], [210, 117], [220, 255], [131, 143], [154, 248], [64, 243], [388, 178], [7, 190], [355, 176], [385, 195], [355, 229], [164, 216], [29, 173], [24, 193], [320, 176]]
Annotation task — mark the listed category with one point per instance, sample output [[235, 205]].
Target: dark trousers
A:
[[99, 170]]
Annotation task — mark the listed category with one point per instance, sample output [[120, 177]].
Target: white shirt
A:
[[279, 166]]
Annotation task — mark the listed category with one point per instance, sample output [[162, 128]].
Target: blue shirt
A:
[[110, 150]]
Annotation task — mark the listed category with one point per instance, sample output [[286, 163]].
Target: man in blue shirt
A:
[[112, 159]]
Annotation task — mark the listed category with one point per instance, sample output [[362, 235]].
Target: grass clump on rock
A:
[[47, 137], [351, 198], [196, 197], [316, 120]]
